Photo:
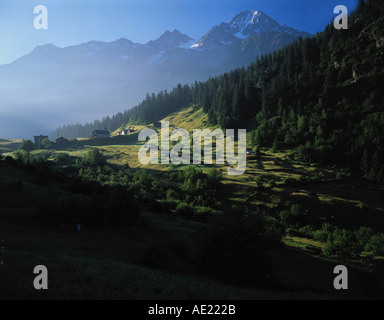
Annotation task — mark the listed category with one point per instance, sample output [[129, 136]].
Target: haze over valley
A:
[[52, 86]]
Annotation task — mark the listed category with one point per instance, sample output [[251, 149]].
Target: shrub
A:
[[23, 156], [94, 158], [330, 249], [171, 194], [376, 244], [157, 186], [45, 144], [63, 158], [307, 231], [214, 177], [202, 213], [342, 243], [363, 236], [27, 145], [40, 158], [195, 185], [324, 233], [339, 242], [176, 176], [143, 179], [143, 195], [184, 210]]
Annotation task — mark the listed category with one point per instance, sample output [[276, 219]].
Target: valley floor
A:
[[155, 260]]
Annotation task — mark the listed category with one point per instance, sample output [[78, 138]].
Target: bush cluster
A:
[[340, 242]]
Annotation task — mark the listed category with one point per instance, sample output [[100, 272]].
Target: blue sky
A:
[[73, 22]]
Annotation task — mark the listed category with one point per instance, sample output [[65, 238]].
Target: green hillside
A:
[[8, 145], [189, 119]]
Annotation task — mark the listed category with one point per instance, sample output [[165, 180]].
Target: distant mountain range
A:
[[52, 86]]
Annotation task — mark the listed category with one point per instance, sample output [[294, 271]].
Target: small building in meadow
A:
[[101, 134], [62, 143]]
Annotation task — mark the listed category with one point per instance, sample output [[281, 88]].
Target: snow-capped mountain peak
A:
[[245, 24], [244, 19]]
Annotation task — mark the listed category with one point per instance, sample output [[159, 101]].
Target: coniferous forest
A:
[[321, 96]]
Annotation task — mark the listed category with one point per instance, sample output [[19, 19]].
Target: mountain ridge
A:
[[88, 81], [234, 25]]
